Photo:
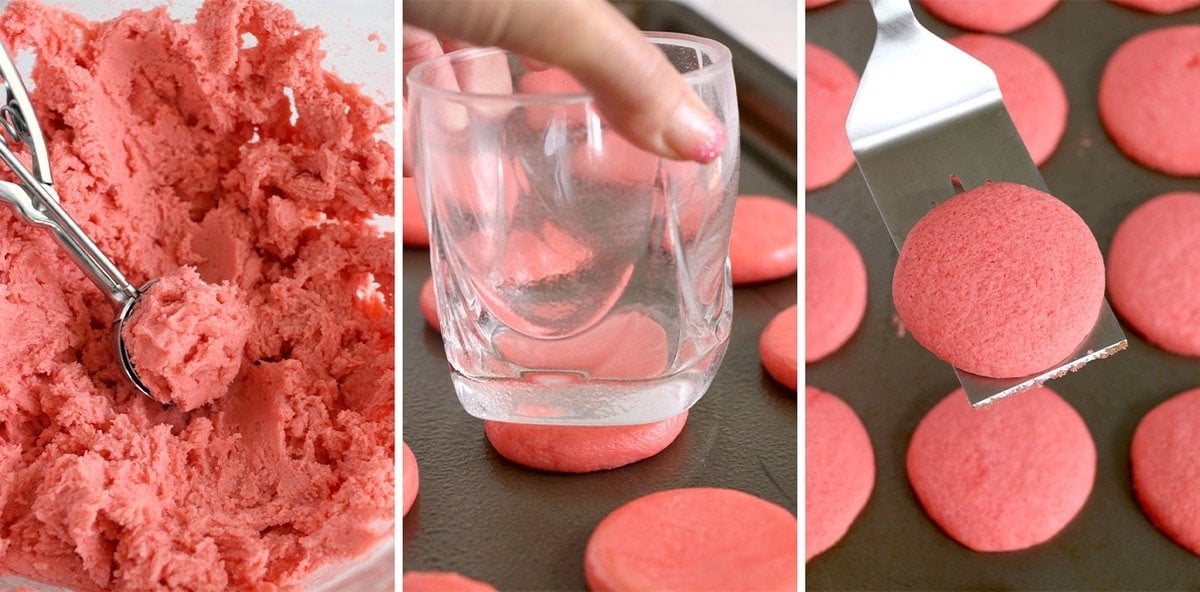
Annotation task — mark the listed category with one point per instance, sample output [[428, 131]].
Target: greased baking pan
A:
[[891, 381], [519, 529]]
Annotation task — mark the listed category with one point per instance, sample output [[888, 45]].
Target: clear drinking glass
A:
[[579, 279]]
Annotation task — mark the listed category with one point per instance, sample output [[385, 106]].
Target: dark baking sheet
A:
[[519, 529], [891, 381]]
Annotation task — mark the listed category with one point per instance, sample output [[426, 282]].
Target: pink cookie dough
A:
[[1033, 94], [990, 16], [173, 145], [835, 288], [762, 243], [442, 581], [1005, 477], [412, 478], [1150, 99], [581, 449], [1166, 468], [1159, 6], [699, 538], [1002, 281], [1154, 271], [839, 470], [777, 347], [185, 338], [829, 87]]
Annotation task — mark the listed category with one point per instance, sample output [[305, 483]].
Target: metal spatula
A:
[[927, 122]]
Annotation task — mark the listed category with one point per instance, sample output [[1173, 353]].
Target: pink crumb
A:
[[185, 338], [379, 44]]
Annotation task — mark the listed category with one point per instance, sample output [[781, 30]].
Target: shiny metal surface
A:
[[926, 117]]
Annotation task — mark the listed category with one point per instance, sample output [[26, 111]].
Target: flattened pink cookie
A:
[[700, 538], [839, 470], [810, 4], [835, 288], [1033, 94], [990, 16], [1150, 99], [581, 449], [829, 86], [412, 478], [762, 244], [777, 348], [1154, 271], [442, 581], [412, 224], [427, 302], [1166, 468], [1159, 6], [1005, 477], [1001, 281]]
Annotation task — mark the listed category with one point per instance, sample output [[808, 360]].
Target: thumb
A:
[[636, 89]]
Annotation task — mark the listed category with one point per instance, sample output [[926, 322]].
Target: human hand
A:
[[636, 89]]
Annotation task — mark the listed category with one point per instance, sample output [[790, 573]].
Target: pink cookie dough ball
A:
[[1154, 271], [1033, 94], [442, 581], [1005, 477], [1150, 99], [839, 469], [829, 87], [1002, 281], [427, 302], [763, 240], [185, 338], [990, 16], [412, 225], [835, 288], [412, 478]]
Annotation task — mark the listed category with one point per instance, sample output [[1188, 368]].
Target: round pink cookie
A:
[[1005, 477], [1033, 94], [810, 4], [835, 288], [412, 225], [581, 449], [1154, 271], [427, 302], [412, 478], [700, 538], [442, 581], [1159, 6], [1001, 281], [1166, 468], [185, 338], [829, 87], [839, 470], [762, 244], [777, 348], [1150, 99], [990, 16]]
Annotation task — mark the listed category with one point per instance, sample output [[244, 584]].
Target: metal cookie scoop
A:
[[928, 121], [35, 200]]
